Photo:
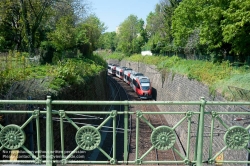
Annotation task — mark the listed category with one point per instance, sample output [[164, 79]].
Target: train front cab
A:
[[142, 87]]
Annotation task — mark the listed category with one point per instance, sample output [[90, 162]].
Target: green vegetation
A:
[[59, 36], [68, 72], [62, 35], [115, 55], [216, 32], [194, 29], [217, 76], [49, 27]]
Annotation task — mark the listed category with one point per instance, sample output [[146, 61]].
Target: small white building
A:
[[143, 53]]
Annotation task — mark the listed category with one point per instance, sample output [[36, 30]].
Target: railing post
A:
[[125, 153], [200, 133], [114, 136], [49, 135]]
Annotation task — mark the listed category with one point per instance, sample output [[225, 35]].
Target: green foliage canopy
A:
[[63, 37], [107, 41], [222, 27], [130, 37]]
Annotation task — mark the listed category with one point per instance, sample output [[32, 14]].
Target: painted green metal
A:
[[236, 138], [62, 116], [189, 115], [214, 115], [200, 133], [125, 138], [88, 137], [49, 136], [137, 160], [163, 138], [12, 137], [114, 114], [36, 115]]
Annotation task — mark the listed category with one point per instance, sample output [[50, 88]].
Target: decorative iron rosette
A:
[[163, 138], [12, 137], [88, 138], [236, 137]]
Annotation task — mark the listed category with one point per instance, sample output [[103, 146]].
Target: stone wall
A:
[[94, 88], [175, 87]]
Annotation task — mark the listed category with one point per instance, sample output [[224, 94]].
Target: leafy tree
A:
[[32, 13], [221, 28], [236, 27], [63, 38], [107, 41], [159, 26], [155, 29], [211, 33], [88, 34], [24, 23], [59, 28], [185, 25], [129, 37], [184, 21], [10, 26]]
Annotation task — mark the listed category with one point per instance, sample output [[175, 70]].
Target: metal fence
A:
[[87, 137]]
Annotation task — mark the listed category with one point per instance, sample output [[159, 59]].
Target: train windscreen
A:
[[145, 86], [145, 83]]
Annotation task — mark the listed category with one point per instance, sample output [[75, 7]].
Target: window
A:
[[136, 84], [145, 86]]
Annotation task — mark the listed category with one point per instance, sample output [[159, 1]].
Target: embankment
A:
[[174, 87]]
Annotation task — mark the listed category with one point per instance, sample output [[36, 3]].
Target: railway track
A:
[[119, 94], [156, 121], [145, 131]]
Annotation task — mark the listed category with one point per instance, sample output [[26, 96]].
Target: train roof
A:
[[111, 64], [124, 68], [143, 79], [138, 74], [128, 69], [135, 74]]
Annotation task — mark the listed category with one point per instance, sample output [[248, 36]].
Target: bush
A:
[[63, 73]]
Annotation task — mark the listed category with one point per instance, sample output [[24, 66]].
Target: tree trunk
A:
[[27, 28], [31, 27]]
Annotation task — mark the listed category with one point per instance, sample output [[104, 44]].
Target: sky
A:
[[113, 12]]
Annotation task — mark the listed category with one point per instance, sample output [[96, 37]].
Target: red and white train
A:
[[120, 72], [139, 83], [127, 73], [112, 69]]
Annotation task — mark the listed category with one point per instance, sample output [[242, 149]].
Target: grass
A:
[[115, 55], [67, 72], [217, 76]]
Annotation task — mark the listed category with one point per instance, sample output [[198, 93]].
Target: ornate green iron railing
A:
[[88, 138]]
